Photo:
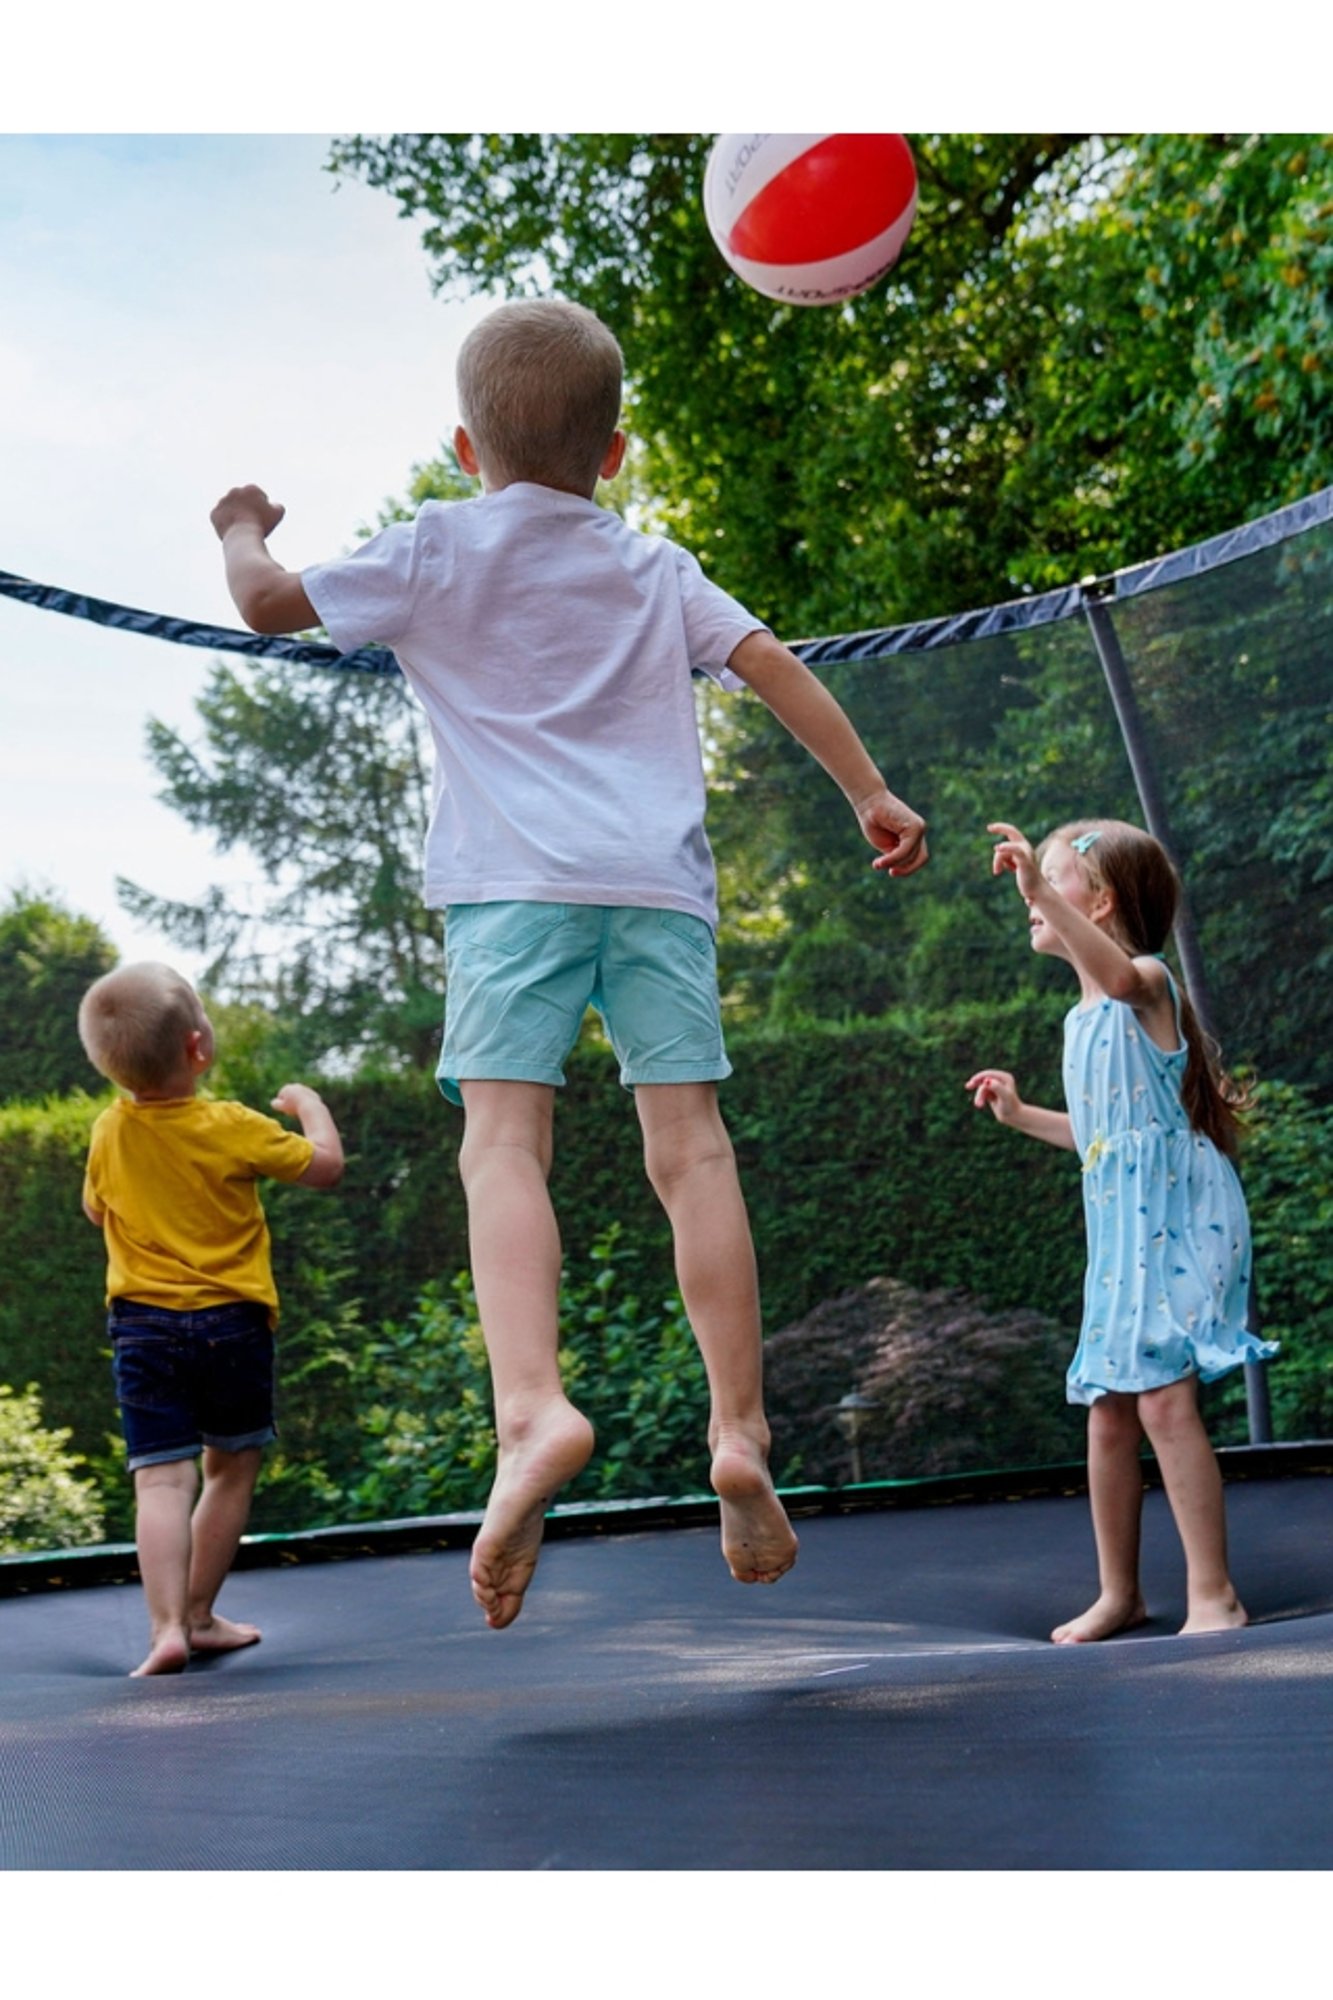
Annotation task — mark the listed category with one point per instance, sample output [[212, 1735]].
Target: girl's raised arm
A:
[[1080, 917]]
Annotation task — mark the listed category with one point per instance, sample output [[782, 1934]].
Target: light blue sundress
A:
[[1167, 1289]]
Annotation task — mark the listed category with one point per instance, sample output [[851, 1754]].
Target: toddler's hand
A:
[[246, 504], [293, 1097], [994, 1090], [1014, 853]]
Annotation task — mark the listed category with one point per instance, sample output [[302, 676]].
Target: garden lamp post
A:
[[851, 1415]]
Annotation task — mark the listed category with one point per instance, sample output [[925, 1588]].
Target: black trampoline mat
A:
[[893, 1704]]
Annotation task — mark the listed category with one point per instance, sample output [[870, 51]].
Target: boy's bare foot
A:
[[541, 1456], [221, 1635], [1110, 1614], [1224, 1613], [168, 1654], [757, 1538]]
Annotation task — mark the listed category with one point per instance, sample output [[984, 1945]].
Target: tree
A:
[[1092, 351], [325, 778], [322, 776], [48, 959]]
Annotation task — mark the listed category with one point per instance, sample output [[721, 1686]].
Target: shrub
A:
[[633, 1368], [950, 1387], [43, 1502]]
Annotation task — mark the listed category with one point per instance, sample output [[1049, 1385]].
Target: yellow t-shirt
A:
[[176, 1184]]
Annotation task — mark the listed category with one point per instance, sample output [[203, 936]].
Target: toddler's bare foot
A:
[[168, 1654], [221, 1635], [1110, 1614], [1223, 1613], [757, 1538], [542, 1453]]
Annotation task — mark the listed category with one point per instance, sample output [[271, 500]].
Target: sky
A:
[[179, 314]]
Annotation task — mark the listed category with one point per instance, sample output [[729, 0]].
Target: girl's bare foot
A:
[[168, 1654], [1110, 1614], [1223, 1613], [542, 1454], [221, 1635], [757, 1538]]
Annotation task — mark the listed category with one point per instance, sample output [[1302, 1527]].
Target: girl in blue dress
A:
[[1155, 1125]]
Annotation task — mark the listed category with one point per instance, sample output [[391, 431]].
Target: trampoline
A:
[[893, 1704]]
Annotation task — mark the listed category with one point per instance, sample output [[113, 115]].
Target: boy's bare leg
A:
[[1193, 1482], [692, 1167], [163, 1498], [1115, 1487], [216, 1529], [543, 1441]]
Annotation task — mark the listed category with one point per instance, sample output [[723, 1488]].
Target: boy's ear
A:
[[615, 456], [465, 455]]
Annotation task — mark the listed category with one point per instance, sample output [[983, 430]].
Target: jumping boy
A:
[[172, 1183], [552, 647]]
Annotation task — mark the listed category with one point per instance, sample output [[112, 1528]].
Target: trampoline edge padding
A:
[[117, 1562]]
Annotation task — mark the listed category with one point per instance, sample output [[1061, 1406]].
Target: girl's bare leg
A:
[[163, 1498], [216, 1529], [1115, 1487], [1193, 1484], [543, 1441], [692, 1167]]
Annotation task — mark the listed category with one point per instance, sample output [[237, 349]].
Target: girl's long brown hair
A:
[[1138, 871]]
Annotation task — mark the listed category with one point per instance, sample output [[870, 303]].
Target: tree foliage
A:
[[1092, 351], [629, 1362], [45, 1503], [48, 959], [324, 777]]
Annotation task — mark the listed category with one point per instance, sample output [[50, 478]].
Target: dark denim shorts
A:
[[189, 1379]]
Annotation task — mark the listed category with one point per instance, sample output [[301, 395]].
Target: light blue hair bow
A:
[[1085, 841]]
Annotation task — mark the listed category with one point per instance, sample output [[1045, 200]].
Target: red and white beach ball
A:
[[810, 217]]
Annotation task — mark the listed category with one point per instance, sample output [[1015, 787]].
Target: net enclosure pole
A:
[[1095, 594], [1107, 641]]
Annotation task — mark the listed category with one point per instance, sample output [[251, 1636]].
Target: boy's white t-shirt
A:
[[551, 647]]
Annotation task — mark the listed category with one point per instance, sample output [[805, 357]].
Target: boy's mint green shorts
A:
[[521, 976]]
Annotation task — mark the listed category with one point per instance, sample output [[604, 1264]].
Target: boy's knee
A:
[[506, 1120], [482, 1149], [672, 1153]]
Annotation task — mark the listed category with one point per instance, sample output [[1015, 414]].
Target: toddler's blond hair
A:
[[134, 1023]]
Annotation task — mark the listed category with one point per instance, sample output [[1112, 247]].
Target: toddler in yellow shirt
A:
[[172, 1182]]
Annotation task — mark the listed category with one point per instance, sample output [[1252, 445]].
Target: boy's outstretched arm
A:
[[312, 1114], [816, 719], [269, 598]]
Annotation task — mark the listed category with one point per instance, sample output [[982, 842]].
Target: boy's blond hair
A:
[[539, 391], [134, 1023]]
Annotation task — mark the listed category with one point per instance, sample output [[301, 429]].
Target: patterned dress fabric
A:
[[1167, 1288]]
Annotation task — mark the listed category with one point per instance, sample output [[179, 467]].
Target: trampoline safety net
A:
[[1191, 693]]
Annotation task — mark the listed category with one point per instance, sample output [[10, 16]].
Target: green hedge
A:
[[860, 1154]]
